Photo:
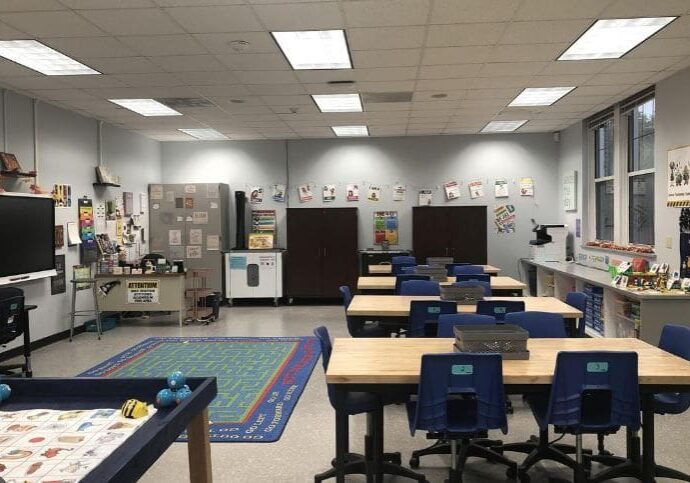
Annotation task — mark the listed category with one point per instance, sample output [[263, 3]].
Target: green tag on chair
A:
[[597, 367], [462, 369], [433, 310], [499, 310]]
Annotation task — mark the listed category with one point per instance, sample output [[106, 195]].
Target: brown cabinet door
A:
[[339, 250], [430, 233], [304, 252], [467, 227]]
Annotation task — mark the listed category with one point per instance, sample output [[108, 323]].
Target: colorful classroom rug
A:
[[260, 379]]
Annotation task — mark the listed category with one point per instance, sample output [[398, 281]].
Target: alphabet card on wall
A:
[[426, 197], [501, 188], [374, 193], [476, 188], [526, 187], [452, 190], [352, 192], [279, 193], [256, 195], [305, 193], [328, 192], [399, 192]]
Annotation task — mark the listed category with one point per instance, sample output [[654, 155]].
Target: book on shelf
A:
[[10, 162], [104, 175]]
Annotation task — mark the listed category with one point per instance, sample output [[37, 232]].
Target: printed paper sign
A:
[[526, 187], [193, 251], [279, 193], [195, 236], [190, 188], [256, 195], [143, 291], [212, 190], [476, 189], [352, 192], [452, 190], [501, 188], [212, 242], [328, 192], [504, 218], [200, 217], [374, 193], [305, 193], [156, 192], [425, 197], [174, 237], [399, 192]]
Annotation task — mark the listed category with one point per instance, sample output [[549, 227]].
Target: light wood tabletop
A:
[[399, 305], [383, 269], [388, 283], [397, 360]]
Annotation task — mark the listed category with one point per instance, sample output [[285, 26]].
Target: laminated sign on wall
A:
[[679, 177], [143, 291]]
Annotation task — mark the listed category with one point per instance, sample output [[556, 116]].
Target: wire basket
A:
[[506, 339]]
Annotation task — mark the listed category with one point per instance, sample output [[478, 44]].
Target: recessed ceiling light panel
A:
[[350, 131], [204, 134], [146, 107], [315, 49], [338, 102], [613, 38], [41, 58], [503, 126], [540, 96]]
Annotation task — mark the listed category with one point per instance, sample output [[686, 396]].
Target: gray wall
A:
[[571, 152], [67, 153], [418, 162]]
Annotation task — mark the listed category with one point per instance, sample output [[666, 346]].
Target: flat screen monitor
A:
[[27, 237]]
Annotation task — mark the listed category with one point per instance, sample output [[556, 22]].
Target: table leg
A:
[[648, 463], [199, 449]]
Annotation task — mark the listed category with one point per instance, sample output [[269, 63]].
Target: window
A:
[[604, 179], [640, 121]]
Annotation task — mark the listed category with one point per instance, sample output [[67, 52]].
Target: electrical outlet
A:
[[669, 242]]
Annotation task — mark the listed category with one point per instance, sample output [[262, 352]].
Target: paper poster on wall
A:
[[143, 291], [504, 218], [58, 283], [156, 206], [328, 193], [193, 251], [212, 190], [476, 188], [678, 160], [570, 190], [399, 192], [128, 203], [189, 203], [200, 217], [452, 190], [385, 227], [352, 192], [156, 191], [213, 242], [62, 195], [526, 187], [374, 193], [501, 188], [305, 193], [190, 188], [81, 272], [142, 203], [426, 197], [213, 205], [278, 193], [256, 195], [59, 234], [180, 218], [174, 237], [99, 217], [196, 236]]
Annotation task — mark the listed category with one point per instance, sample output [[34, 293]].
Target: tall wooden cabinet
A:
[[449, 231], [321, 251]]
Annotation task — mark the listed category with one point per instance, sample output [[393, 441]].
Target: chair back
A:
[[499, 308], [468, 270], [398, 268], [347, 299], [486, 286], [12, 315], [540, 325], [403, 259], [451, 267], [407, 270], [420, 287], [424, 315], [593, 391], [579, 301], [676, 340], [321, 333], [476, 277], [446, 322], [399, 279], [459, 393]]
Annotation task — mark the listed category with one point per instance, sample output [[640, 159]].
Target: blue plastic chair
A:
[[424, 316], [540, 325], [357, 328], [579, 301], [420, 287], [499, 308], [472, 283], [447, 322], [451, 267], [399, 279], [475, 277], [459, 398], [400, 268], [403, 259], [676, 340], [468, 270], [407, 270]]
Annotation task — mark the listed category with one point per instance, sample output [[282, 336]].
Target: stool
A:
[[85, 313]]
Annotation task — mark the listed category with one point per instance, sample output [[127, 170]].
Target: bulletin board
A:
[[385, 227]]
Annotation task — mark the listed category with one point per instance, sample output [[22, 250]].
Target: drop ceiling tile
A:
[[204, 114], [576, 98], [511, 68], [550, 10], [680, 27], [498, 82], [645, 8], [89, 81], [220, 43], [604, 79], [468, 11], [258, 77], [544, 31], [80, 47], [444, 84], [559, 80], [230, 91], [576, 67], [401, 86], [435, 105], [142, 21], [152, 45], [51, 24], [287, 100], [643, 64], [220, 78], [385, 38], [277, 89], [107, 4], [496, 94], [375, 13], [456, 55], [28, 5], [63, 94], [10, 69], [527, 53], [9, 33], [386, 58], [661, 47], [254, 61], [608, 90], [385, 74], [300, 16], [397, 107], [151, 79], [452, 95], [464, 34], [122, 65], [455, 71], [188, 63], [141, 92], [233, 18]]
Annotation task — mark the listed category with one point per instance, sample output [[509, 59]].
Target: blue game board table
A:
[[131, 459]]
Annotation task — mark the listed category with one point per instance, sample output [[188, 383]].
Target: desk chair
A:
[[499, 308], [400, 268], [420, 287], [468, 270], [486, 286], [579, 301], [424, 316], [476, 277], [447, 322], [451, 267], [403, 259], [360, 403], [459, 398], [399, 279], [593, 392], [540, 325], [356, 328], [14, 321], [408, 270]]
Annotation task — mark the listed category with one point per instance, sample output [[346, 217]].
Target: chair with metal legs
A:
[[91, 284]]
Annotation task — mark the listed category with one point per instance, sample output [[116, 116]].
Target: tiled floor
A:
[[307, 445]]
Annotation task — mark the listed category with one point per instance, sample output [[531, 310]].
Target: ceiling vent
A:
[[340, 82], [381, 97], [185, 102]]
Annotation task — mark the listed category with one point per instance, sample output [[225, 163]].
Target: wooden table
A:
[[386, 269], [384, 365], [387, 284]]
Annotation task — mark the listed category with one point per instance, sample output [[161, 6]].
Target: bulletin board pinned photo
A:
[[504, 218], [385, 227]]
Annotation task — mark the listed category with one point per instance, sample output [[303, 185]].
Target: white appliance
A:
[[553, 250], [253, 274]]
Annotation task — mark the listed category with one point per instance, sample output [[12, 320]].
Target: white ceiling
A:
[[480, 53]]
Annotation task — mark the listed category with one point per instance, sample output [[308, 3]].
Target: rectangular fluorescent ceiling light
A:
[[41, 58], [350, 131], [540, 96], [503, 126], [338, 102], [146, 107], [613, 38], [315, 49], [204, 134]]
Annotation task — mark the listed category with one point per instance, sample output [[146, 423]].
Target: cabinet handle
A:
[[324, 251]]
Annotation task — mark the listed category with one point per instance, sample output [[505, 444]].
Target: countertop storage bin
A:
[[506, 339], [462, 295]]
